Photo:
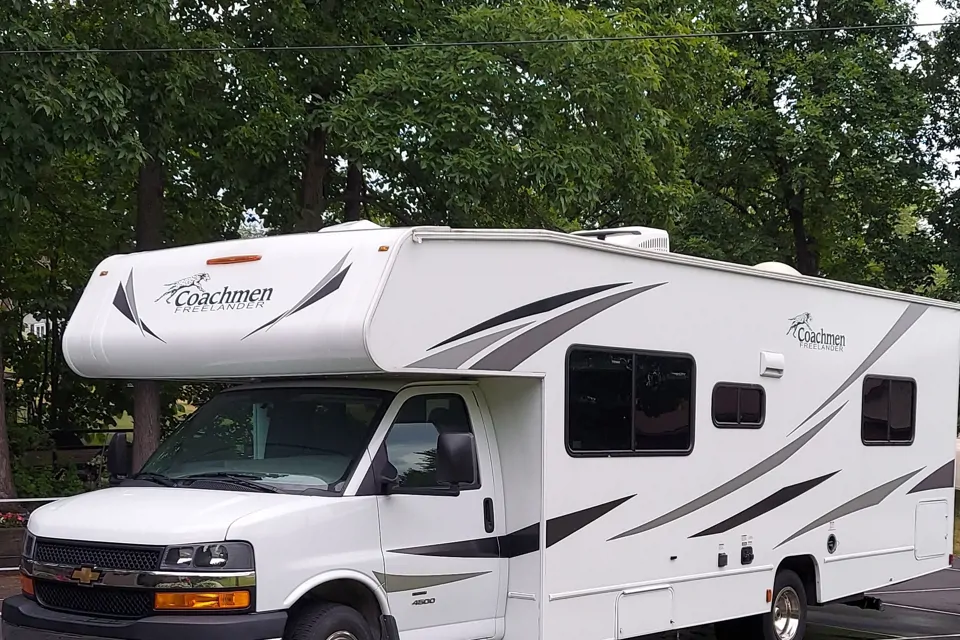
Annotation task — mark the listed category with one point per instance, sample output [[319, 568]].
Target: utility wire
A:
[[490, 43]]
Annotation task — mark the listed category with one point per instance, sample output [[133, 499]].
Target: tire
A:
[[771, 625], [787, 618], [327, 621]]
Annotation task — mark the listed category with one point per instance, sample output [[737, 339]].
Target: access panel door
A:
[[441, 554]]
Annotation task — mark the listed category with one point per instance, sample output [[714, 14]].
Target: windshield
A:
[[308, 437]]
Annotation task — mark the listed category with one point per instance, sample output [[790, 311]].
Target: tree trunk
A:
[[807, 260], [7, 490], [149, 235], [146, 421], [316, 167], [353, 198]]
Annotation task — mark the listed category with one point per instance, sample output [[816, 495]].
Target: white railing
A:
[[22, 501]]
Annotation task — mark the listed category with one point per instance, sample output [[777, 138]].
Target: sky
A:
[[929, 11]]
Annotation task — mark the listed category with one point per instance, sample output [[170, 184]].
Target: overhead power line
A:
[[484, 43]]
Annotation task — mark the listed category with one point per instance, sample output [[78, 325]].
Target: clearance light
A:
[[194, 601], [232, 259], [26, 585], [769, 595]]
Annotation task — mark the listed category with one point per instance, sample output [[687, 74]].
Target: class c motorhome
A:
[[439, 434]]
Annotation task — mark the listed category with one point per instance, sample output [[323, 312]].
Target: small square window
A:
[[738, 406], [888, 411]]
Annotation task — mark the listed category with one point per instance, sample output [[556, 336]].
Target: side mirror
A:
[[119, 455], [456, 458]]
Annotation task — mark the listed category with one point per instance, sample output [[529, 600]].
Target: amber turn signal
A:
[[26, 585], [233, 259], [194, 601]]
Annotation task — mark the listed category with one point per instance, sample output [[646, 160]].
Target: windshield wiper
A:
[[158, 478], [238, 478]]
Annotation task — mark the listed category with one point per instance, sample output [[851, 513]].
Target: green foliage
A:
[[817, 149]]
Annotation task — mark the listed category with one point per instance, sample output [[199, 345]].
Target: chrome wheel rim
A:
[[341, 635], [786, 614]]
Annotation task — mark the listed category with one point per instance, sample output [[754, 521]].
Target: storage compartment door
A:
[[931, 533]]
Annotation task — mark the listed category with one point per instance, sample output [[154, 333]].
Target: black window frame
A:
[[438, 490], [739, 386], [913, 412], [634, 453]]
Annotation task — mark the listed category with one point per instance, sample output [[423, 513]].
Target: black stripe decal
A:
[[509, 355], [330, 285], [942, 478], [768, 504], [124, 303], [518, 543], [531, 309]]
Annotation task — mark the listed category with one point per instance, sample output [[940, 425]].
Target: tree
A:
[[554, 135], [821, 145], [54, 104]]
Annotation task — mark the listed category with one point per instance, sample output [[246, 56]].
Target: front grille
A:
[[100, 556], [103, 601]]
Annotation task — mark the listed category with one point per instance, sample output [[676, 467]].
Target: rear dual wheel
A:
[[786, 620]]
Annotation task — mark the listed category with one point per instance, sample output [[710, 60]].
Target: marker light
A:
[[201, 601], [233, 259], [26, 585]]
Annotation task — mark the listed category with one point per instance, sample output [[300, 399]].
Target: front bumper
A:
[[24, 619]]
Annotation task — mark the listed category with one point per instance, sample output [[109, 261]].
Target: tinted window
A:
[[624, 402], [280, 436], [889, 411], [411, 444], [738, 406]]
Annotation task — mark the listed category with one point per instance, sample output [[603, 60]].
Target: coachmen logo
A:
[[86, 575], [187, 295], [810, 338]]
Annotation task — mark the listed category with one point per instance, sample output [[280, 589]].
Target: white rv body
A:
[[556, 542]]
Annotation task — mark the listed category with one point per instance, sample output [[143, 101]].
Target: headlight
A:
[[29, 545], [210, 556]]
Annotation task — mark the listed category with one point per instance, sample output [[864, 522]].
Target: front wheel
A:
[[327, 621]]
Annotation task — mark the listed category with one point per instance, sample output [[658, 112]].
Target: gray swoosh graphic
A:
[[907, 319], [942, 478], [509, 355], [745, 478], [455, 356], [869, 499], [131, 300], [394, 583]]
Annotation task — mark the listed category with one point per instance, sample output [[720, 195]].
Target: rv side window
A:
[[627, 403], [889, 411], [412, 442], [738, 406]]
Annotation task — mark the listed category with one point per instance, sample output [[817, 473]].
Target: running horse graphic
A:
[[173, 288], [802, 320]]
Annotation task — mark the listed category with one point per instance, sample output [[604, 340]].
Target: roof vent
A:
[[777, 267], [633, 237], [355, 225]]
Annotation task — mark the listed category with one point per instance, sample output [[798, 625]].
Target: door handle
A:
[[488, 524]]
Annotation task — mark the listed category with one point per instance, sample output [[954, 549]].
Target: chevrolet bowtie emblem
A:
[[86, 575]]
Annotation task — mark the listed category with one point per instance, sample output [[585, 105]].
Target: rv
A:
[[442, 434]]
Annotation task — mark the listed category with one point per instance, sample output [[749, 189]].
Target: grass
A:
[[956, 525]]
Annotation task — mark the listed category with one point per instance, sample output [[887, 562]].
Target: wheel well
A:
[[346, 592], [806, 568]]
